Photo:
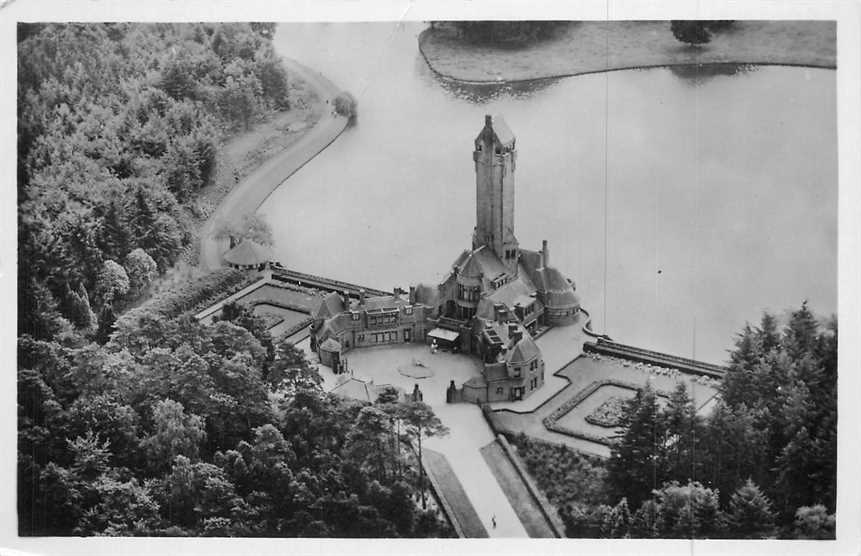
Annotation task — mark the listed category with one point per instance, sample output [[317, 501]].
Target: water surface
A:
[[682, 203]]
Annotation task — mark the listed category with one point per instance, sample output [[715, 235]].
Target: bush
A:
[[189, 296], [814, 522], [345, 105], [694, 33]]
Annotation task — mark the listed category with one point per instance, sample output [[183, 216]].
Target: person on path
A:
[[493, 520]]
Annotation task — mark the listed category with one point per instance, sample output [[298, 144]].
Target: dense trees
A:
[[761, 464], [172, 428], [118, 127]]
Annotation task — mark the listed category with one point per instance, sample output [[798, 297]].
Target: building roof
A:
[[558, 292], [480, 263], [331, 344], [332, 305], [524, 351], [383, 302], [443, 334], [503, 132], [498, 130], [356, 389], [518, 290], [248, 253], [333, 326]]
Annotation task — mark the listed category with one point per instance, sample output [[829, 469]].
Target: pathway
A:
[[453, 496], [468, 432], [521, 499], [250, 193]]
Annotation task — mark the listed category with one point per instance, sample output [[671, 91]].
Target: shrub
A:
[[814, 522], [694, 33], [345, 105]]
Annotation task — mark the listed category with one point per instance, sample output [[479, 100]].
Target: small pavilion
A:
[[248, 255]]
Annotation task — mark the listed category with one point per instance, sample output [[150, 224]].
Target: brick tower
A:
[[495, 159]]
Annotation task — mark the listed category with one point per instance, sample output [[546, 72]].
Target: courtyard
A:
[[468, 430]]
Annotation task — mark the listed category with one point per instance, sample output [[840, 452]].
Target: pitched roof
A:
[[248, 253], [354, 388], [524, 351], [518, 290], [481, 262], [331, 344], [383, 302], [502, 131], [333, 326], [332, 305]]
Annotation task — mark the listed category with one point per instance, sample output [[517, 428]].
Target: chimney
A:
[[361, 297], [488, 120], [498, 311], [412, 295], [514, 333], [545, 253]]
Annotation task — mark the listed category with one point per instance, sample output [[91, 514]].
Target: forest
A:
[[151, 423], [118, 128], [175, 428], [762, 464]]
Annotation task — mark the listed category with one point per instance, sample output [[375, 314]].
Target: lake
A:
[[682, 203]]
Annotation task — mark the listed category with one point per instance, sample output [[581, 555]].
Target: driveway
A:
[[251, 192]]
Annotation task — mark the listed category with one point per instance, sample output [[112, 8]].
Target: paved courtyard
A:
[[468, 429]]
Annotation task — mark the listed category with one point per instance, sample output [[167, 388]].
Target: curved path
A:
[[251, 192]]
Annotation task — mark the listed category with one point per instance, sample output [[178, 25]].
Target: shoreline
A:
[[252, 191], [578, 51]]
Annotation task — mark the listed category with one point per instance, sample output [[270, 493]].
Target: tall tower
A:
[[495, 158]]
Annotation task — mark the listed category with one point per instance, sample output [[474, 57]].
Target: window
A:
[[499, 390], [354, 315], [408, 309], [517, 371]]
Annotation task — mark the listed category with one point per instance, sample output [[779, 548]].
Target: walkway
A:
[[453, 496], [249, 194], [521, 499], [468, 432]]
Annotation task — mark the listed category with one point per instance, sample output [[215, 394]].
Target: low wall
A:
[[623, 351]]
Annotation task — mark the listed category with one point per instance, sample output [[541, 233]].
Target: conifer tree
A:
[[750, 515], [637, 461]]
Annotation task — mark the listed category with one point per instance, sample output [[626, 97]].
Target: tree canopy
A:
[[189, 437], [118, 128]]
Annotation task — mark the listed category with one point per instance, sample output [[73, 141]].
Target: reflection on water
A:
[[674, 207], [699, 74]]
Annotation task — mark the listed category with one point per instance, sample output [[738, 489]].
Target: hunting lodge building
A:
[[495, 298]]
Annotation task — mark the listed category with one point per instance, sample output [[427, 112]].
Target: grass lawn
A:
[[515, 490], [594, 46], [580, 374], [452, 491]]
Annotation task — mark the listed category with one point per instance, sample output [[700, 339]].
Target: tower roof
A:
[[498, 130]]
